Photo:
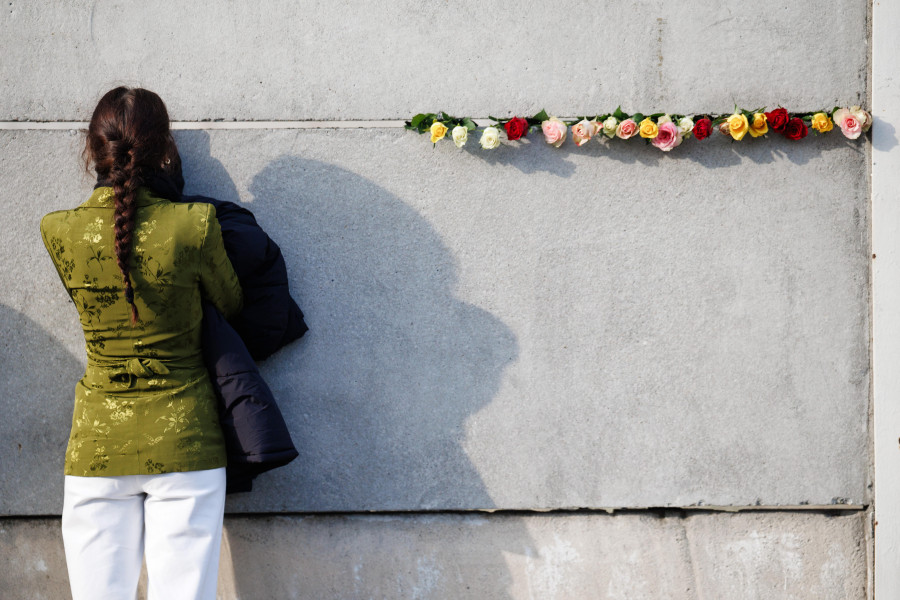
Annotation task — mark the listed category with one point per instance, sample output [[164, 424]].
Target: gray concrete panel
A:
[[752, 556], [525, 328], [282, 59]]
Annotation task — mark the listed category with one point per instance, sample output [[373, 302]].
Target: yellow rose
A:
[[649, 129], [738, 125], [822, 123], [438, 131], [759, 126]]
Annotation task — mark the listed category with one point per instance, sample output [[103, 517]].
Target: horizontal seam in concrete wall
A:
[[829, 509], [513, 512]]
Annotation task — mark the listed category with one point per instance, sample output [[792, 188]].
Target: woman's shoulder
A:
[[187, 221], [100, 198], [55, 221], [189, 213]]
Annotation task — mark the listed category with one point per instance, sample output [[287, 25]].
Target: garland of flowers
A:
[[665, 131]]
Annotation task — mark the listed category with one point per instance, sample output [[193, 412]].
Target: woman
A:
[[145, 462]]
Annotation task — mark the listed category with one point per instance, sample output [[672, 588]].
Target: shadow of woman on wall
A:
[[38, 382], [378, 391], [394, 363]]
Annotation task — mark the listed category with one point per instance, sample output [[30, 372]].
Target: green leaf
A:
[[541, 116], [417, 119], [422, 122], [637, 118], [618, 114], [470, 124]]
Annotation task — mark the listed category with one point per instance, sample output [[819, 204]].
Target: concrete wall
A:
[[524, 329], [282, 59], [650, 556]]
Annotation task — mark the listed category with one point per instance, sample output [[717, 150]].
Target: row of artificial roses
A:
[[662, 130]]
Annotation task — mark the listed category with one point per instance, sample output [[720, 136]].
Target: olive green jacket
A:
[[145, 403]]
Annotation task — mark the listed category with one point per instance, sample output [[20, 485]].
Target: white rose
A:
[[609, 127], [686, 125], [460, 136], [664, 119], [490, 139]]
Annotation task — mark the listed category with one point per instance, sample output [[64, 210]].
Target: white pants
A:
[[108, 522]]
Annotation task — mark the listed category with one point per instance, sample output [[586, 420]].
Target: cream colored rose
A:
[[460, 136], [686, 126], [664, 119], [490, 138], [609, 126], [864, 118]]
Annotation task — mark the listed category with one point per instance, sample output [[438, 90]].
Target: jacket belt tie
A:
[[137, 368]]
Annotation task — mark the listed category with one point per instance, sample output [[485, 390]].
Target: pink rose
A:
[[626, 129], [582, 132], [849, 124], [668, 137], [554, 131]]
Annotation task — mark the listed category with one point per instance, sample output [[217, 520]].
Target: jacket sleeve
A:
[[55, 250], [218, 280]]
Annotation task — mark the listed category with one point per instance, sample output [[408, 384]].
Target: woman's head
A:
[[129, 128], [128, 139]]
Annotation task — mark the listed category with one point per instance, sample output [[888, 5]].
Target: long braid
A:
[[128, 140], [125, 181]]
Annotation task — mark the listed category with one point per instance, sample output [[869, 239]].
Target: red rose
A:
[[796, 129], [516, 128], [778, 119], [702, 128]]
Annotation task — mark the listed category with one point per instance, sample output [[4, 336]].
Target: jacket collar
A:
[[103, 198], [160, 184]]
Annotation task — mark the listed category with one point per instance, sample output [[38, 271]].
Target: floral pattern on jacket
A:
[[145, 404]]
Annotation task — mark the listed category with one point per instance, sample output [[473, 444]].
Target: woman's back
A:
[[172, 253], [145, 403]]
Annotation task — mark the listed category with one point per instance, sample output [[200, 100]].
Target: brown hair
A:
[[127, 140]]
